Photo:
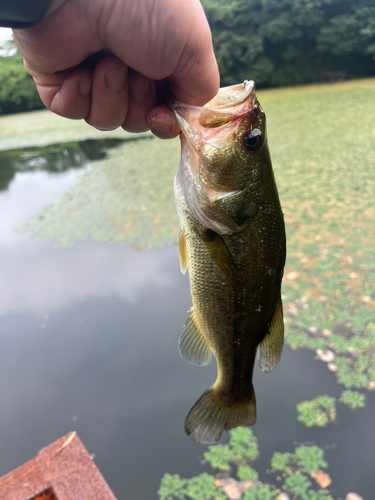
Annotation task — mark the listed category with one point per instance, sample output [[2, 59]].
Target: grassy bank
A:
[[41, 128]]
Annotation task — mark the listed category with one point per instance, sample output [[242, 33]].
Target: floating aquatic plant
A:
[[293, 470], [353, 399], [319, 411]]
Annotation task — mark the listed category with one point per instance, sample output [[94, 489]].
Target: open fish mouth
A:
[[229, 103], [202, 124], [232, 96]]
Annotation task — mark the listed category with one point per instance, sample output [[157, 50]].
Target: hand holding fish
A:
[[157, 40]]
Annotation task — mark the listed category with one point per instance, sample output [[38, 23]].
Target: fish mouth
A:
[[231, 104], [206, 131], [232, 97], [228, 104]]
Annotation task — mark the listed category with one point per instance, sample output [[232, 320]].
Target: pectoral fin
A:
[[218, 250], [192, 344], [182, 252], [269, 350]]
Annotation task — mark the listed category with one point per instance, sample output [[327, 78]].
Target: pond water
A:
[[88, 335]]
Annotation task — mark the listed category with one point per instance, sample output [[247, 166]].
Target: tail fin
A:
[[210, 416]]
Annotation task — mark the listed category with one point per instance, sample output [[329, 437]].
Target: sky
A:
[[5, 34]]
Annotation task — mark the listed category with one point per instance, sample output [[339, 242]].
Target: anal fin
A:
[[269, 350], [182, 252], [192, 344]]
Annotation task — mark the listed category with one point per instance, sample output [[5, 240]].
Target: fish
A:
[[232, 242]]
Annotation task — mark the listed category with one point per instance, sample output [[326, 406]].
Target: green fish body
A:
[[232, 241]]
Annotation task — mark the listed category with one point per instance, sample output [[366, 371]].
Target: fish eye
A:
[[253, 140]]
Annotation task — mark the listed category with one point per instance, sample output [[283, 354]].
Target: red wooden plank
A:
[[64, 470]]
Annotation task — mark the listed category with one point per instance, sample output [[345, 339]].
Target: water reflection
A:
[[54, 158], [57, 279], [126, 197], [109, 357]]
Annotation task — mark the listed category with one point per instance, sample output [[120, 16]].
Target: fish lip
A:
[[230, 104], [232, 96], [227, 97]]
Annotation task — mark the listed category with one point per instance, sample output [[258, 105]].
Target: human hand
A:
[[150, 41]]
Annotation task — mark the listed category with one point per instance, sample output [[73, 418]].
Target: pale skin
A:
[[152, 41]]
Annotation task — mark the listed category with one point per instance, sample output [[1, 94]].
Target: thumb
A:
[[196, 78]]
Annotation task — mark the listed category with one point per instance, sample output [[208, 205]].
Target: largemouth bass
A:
[[232, 241]]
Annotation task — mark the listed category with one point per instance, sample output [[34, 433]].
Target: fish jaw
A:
[[229, 105], [210, 137]]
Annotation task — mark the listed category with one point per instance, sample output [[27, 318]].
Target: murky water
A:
[[88, 337]]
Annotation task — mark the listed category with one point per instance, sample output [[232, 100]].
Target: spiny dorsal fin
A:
[[269, 350], [218, 250], [192, 344], [182, 252]]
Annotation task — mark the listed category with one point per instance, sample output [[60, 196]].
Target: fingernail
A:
[[116, 79], [85, 86], [139, 89], [162, 128]]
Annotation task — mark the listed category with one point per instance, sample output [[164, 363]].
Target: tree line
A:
[[273, 42], [291, 42], [17, 87]]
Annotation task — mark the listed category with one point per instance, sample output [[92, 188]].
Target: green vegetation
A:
[[43, 128], [306, 459], [242, 449], [17, 87], [289, 42], [292, 471], [322, 410], [201, 487], [117, 200], [53, 158], [319, 412], [353, 399]]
